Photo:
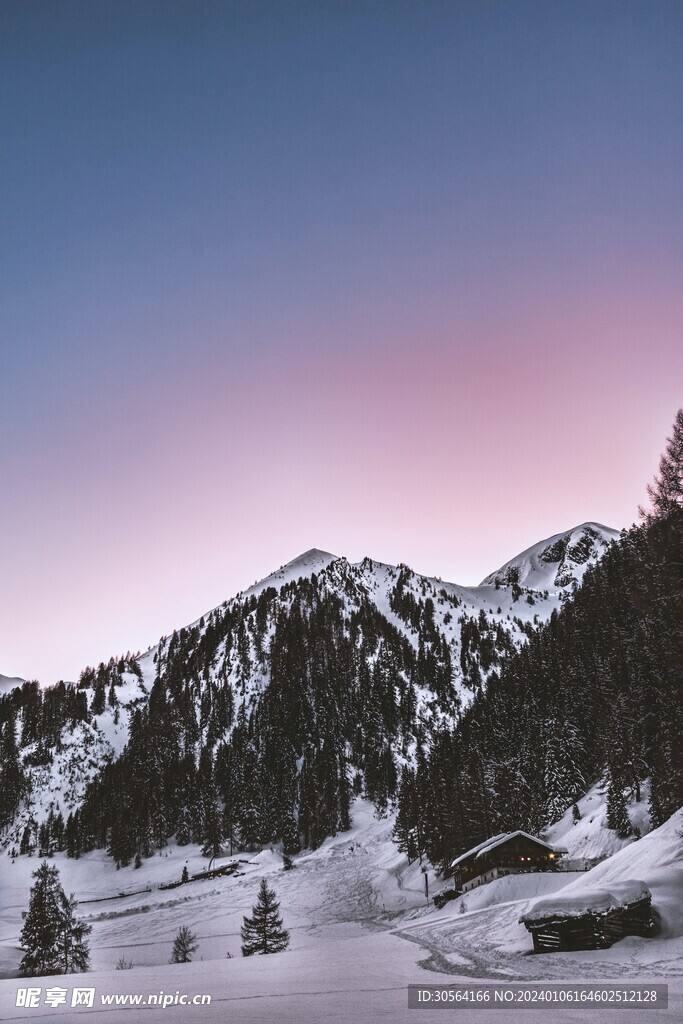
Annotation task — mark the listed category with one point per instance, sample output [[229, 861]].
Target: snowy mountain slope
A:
[[312, 561], [514, 608], [590, 838], [302, 567], [457, 636], [343, 963], [557, 562], [480, 625], [8, 683]]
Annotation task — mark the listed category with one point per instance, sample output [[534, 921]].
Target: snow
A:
[[497, 840], [589, 838], [658, 860], [360, 925], [480, 846], [312, 561], [538, 569], [345, 981], [481, 938], [60, 786], [361, 931], [268, 859], [510, 888], [8, 683], [587, 901]]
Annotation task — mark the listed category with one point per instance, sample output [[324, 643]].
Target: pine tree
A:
[[617, 815], [25, 846], [11, 775], [72, 835], [290, 835], [99, 696], [406, 829], [75, 950], [184, 945], [562, 776], [53, 939], [183, 833], [263, 932], [666, 491], [213, 830]]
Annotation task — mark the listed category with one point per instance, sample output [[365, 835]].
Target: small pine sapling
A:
[[184, 945], [263, 932]]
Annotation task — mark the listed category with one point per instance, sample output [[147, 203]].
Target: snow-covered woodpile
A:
[[592, 919]]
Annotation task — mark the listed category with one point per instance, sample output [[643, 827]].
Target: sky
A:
[[399, 279]]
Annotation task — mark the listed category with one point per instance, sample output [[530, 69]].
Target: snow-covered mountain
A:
[[312, 561], [8, 683], [415, 644], [559, 561], [480, 624]]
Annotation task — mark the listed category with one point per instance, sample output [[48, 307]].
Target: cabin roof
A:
[[480, 846], [490, 844], [589, 901]]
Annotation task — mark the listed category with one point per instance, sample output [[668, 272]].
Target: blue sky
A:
[[267, 265]]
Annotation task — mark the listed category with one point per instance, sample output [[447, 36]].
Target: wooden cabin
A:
[[510, 853], [590, 919]]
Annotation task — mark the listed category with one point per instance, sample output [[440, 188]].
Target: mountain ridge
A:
[[320, 636]]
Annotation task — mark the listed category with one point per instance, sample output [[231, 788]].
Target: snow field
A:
[[360, 932]]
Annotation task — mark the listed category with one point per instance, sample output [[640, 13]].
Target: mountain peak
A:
[[312, 555], [312, 561], [557, 561]]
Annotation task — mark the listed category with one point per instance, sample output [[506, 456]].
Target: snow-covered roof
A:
[[589, 901], [475, 849], [497, 840], [490, 844]]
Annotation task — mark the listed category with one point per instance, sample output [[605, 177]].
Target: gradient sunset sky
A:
[[390, 278]]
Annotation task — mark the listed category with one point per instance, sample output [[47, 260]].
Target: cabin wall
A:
[[592, 931]]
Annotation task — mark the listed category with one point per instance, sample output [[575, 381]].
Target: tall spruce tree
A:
[[617, 814], [11, 775], [406, 827], [666, 491], [263, 933], [53, 939]]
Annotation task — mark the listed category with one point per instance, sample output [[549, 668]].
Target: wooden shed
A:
[[509, 853], [590, 918]]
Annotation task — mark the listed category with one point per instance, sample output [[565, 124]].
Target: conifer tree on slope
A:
[[263, 933], [617, 813], [666, 491], [53, 939], [11, 777], [665, 550], [184, 945]]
